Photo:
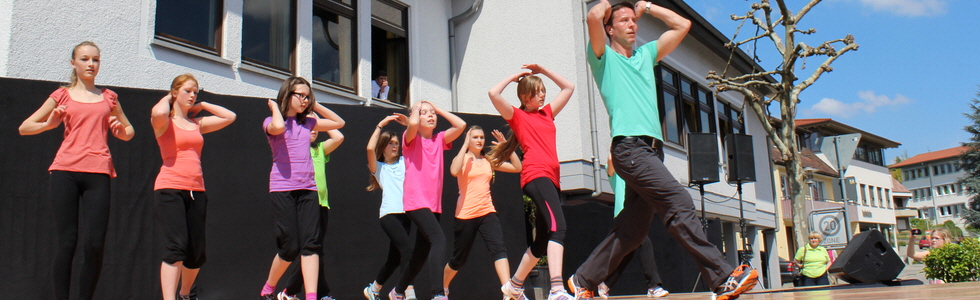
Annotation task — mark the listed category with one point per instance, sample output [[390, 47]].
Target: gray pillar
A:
[[731, 243]]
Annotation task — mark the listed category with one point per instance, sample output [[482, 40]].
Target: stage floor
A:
[[963, 290]]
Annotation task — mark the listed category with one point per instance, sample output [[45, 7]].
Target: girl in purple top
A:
[[292, 187], [422, 152]]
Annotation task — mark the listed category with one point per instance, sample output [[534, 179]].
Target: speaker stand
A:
[[704, 228], [745, 256]]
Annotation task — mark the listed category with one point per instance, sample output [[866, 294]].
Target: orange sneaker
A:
[[741, 280]]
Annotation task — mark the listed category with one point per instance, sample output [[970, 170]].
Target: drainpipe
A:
[[593, 125], [452, 49]]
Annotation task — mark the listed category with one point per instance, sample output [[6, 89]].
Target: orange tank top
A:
[[474, 189], [85, 148], [181, 152]]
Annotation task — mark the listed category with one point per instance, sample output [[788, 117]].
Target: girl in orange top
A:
[[181, 204], [473, 169], [82, 168]]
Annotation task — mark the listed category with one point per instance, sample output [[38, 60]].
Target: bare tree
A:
[[781, 31]]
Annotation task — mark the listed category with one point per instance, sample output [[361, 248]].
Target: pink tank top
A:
[[84, 148], [181, 152]]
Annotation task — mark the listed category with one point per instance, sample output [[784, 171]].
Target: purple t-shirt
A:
[[423, 172], [292, 166]]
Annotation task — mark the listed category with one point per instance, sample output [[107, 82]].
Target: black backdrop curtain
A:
[[241, 242]]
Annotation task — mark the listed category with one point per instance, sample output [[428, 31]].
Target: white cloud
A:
[[911, 8], [870, 102]]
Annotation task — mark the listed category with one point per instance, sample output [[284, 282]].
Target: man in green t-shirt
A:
[[627, 84]]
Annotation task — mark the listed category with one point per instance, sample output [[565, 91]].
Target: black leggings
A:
[[294, 283], [397, 227], [549, 221], [465, 232], [430, 246], [71, 193]]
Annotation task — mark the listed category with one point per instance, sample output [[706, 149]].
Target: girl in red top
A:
[[81, 170], [534, 129], [181, 204], [474, 208]]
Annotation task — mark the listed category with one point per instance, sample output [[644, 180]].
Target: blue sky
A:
[[910, 81]]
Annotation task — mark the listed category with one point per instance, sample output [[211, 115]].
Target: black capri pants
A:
[[549, 221], [465, 233], [297, 218], [181, 216]]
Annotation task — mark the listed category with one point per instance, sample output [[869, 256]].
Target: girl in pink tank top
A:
[[82, 168], [181, 204]]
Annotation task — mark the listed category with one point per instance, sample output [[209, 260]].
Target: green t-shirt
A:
[[628, 89], [815, 262], [319, 172], [619, 193]]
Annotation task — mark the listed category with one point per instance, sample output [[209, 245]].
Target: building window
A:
[[269, 33], [864, 195], [687, 106], [389, 46], [816, 190], [881, 198], [334, 42], [729, 120], [196, 23]]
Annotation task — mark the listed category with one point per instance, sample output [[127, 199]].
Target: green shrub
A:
[[954, 262]]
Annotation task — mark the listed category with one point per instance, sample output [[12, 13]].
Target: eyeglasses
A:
[[302, 96]]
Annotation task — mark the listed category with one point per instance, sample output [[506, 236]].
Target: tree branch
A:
[[825, 67], [806, 8]]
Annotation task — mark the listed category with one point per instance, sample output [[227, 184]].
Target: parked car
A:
[[786, 270], [924, 243]]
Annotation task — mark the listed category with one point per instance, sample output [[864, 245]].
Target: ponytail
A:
[[501, 153]]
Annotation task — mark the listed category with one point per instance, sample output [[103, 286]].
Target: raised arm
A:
[[567, 87], [220, 118], [596, 21], [412, 129], [503, 107], [119, 125], [277, 126], [910, 249], [458, 124], [330, 119], [678, 26], [457, 164], [160, 115], [331, 144], [47, 117], [373, 142]]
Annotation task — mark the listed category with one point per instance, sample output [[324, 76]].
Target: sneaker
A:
[[741, 280], [603, 291], [559, 295], [283, 296], [410, 293], [657, 292], [440, 297], [327, 298], [370, 294], [267, 297], [581, 293], [395, 296], [512, 293]]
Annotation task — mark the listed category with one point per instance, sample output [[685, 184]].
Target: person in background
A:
[[815, 261], [379, 86], [940, 237]]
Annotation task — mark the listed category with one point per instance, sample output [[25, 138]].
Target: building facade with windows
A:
[[931, 178], [448, 52]]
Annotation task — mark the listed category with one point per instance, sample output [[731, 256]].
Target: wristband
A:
[[647, 8]]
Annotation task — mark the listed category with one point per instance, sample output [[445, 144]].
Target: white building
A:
[[931, 178], [449, 52]]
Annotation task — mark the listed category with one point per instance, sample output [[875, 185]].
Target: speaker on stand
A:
[[702, 166], [741, 168]]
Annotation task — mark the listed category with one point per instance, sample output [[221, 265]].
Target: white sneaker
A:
[[560, 295], [283, 296], [603, 291], [657, 292], [410, 293], [512, 293]]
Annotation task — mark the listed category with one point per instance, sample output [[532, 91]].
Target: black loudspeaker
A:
[[741, 164], [868, 257], [702, 158]]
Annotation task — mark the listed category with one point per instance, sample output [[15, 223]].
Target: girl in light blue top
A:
[[388, 173]]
